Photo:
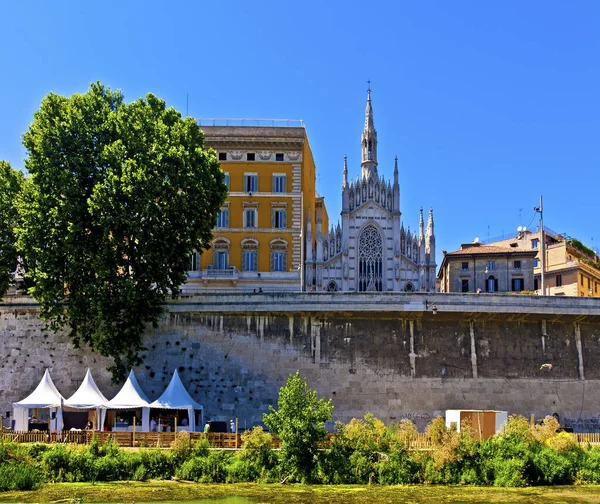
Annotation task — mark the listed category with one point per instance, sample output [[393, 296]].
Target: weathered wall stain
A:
[[397, 365]]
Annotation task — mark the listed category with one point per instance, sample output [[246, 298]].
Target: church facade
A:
[[371, 251]]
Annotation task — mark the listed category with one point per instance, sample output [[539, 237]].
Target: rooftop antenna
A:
[[488, 232], [520, 214]]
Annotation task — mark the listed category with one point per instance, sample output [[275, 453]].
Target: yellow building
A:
[[570, 268], [258, 241]]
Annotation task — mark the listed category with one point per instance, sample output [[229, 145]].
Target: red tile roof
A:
[[491, 249]]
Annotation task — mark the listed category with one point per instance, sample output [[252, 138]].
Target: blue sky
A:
[[487, 104]]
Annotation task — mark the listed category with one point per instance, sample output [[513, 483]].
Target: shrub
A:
[[182, 447], [211, 469], [553, 468], [20, 476], [200, 448], [510, 473], [157, 463], [590, 466], [398, 469], [56, 463], [257, 460]]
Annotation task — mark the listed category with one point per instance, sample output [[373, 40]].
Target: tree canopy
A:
[[119, 195], [11, 182], [299, 421]]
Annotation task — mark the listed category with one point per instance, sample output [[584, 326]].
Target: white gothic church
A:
[[371, 251]]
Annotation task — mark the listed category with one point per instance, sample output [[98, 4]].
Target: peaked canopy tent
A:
[[45, 396], [178, 398], [89, 397], [131, 396]]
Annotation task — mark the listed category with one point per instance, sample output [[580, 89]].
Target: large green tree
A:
[[299, 421], [119, 195], [11, 182]]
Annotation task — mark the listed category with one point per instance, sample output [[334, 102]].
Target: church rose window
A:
[[370, 260]]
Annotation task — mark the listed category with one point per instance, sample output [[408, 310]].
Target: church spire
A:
[[421, 226], [345, 183], [369, 141]]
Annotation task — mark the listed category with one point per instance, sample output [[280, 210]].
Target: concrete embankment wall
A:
[[396, 355]]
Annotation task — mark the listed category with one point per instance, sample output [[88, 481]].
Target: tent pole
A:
[[133, 437]]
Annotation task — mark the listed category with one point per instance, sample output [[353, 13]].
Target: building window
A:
[[559, 280], [370, 260], [278, 218], [222, 156], [249, 260], [518, 284], [279, 156], [465, 285], [491, 284], [535, 243], [221, 259], [250, 182], [223, 218], [589, 283], [465, 266], [221, 253], [194, 261], [250, 218], [535, 263], [491, 266], [278, 255], [535, 284], [250, 156], [279, 183], [582, 280], [250, 254], [517, 265], [226, 180]]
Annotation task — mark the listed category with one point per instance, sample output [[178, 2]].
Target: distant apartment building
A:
[[257, 243], [487, 268], [570, 269]]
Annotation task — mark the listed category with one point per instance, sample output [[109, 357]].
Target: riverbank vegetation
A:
[[364, 451]]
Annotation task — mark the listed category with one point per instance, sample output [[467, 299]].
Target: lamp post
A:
[[540, 210]]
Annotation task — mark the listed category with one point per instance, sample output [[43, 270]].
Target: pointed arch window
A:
[[370, 260]]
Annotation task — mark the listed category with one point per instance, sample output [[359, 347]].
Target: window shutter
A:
[[273, 213], [284, 183], [273, 183]]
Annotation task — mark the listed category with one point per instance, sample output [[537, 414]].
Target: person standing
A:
[[153, 425], [232, 426], [206, 428]]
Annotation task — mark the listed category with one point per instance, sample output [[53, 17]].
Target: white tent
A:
[[177, 397], [131, 396], [88, 396], [45, 395]]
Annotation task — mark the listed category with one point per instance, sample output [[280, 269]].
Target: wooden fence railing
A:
[[215, 439], [126, 439]]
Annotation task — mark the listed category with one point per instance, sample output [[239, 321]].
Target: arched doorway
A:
[[370, 260]]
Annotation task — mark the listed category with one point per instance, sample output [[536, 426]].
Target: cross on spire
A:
[[369, 86]]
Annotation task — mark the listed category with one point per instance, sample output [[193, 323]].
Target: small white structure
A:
[[176, 397], [89, 397], [130, 397], [45, 396], [485, 423]]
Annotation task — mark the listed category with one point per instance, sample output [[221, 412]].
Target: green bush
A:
[[159, 464], [399, 469], [20, 476], [211, 469], [257, 461], [553, 468], [510, 473]]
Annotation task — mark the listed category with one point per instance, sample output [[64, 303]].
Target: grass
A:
[[300, 494]]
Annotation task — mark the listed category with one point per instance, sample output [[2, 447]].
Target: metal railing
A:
[[224, 121]]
